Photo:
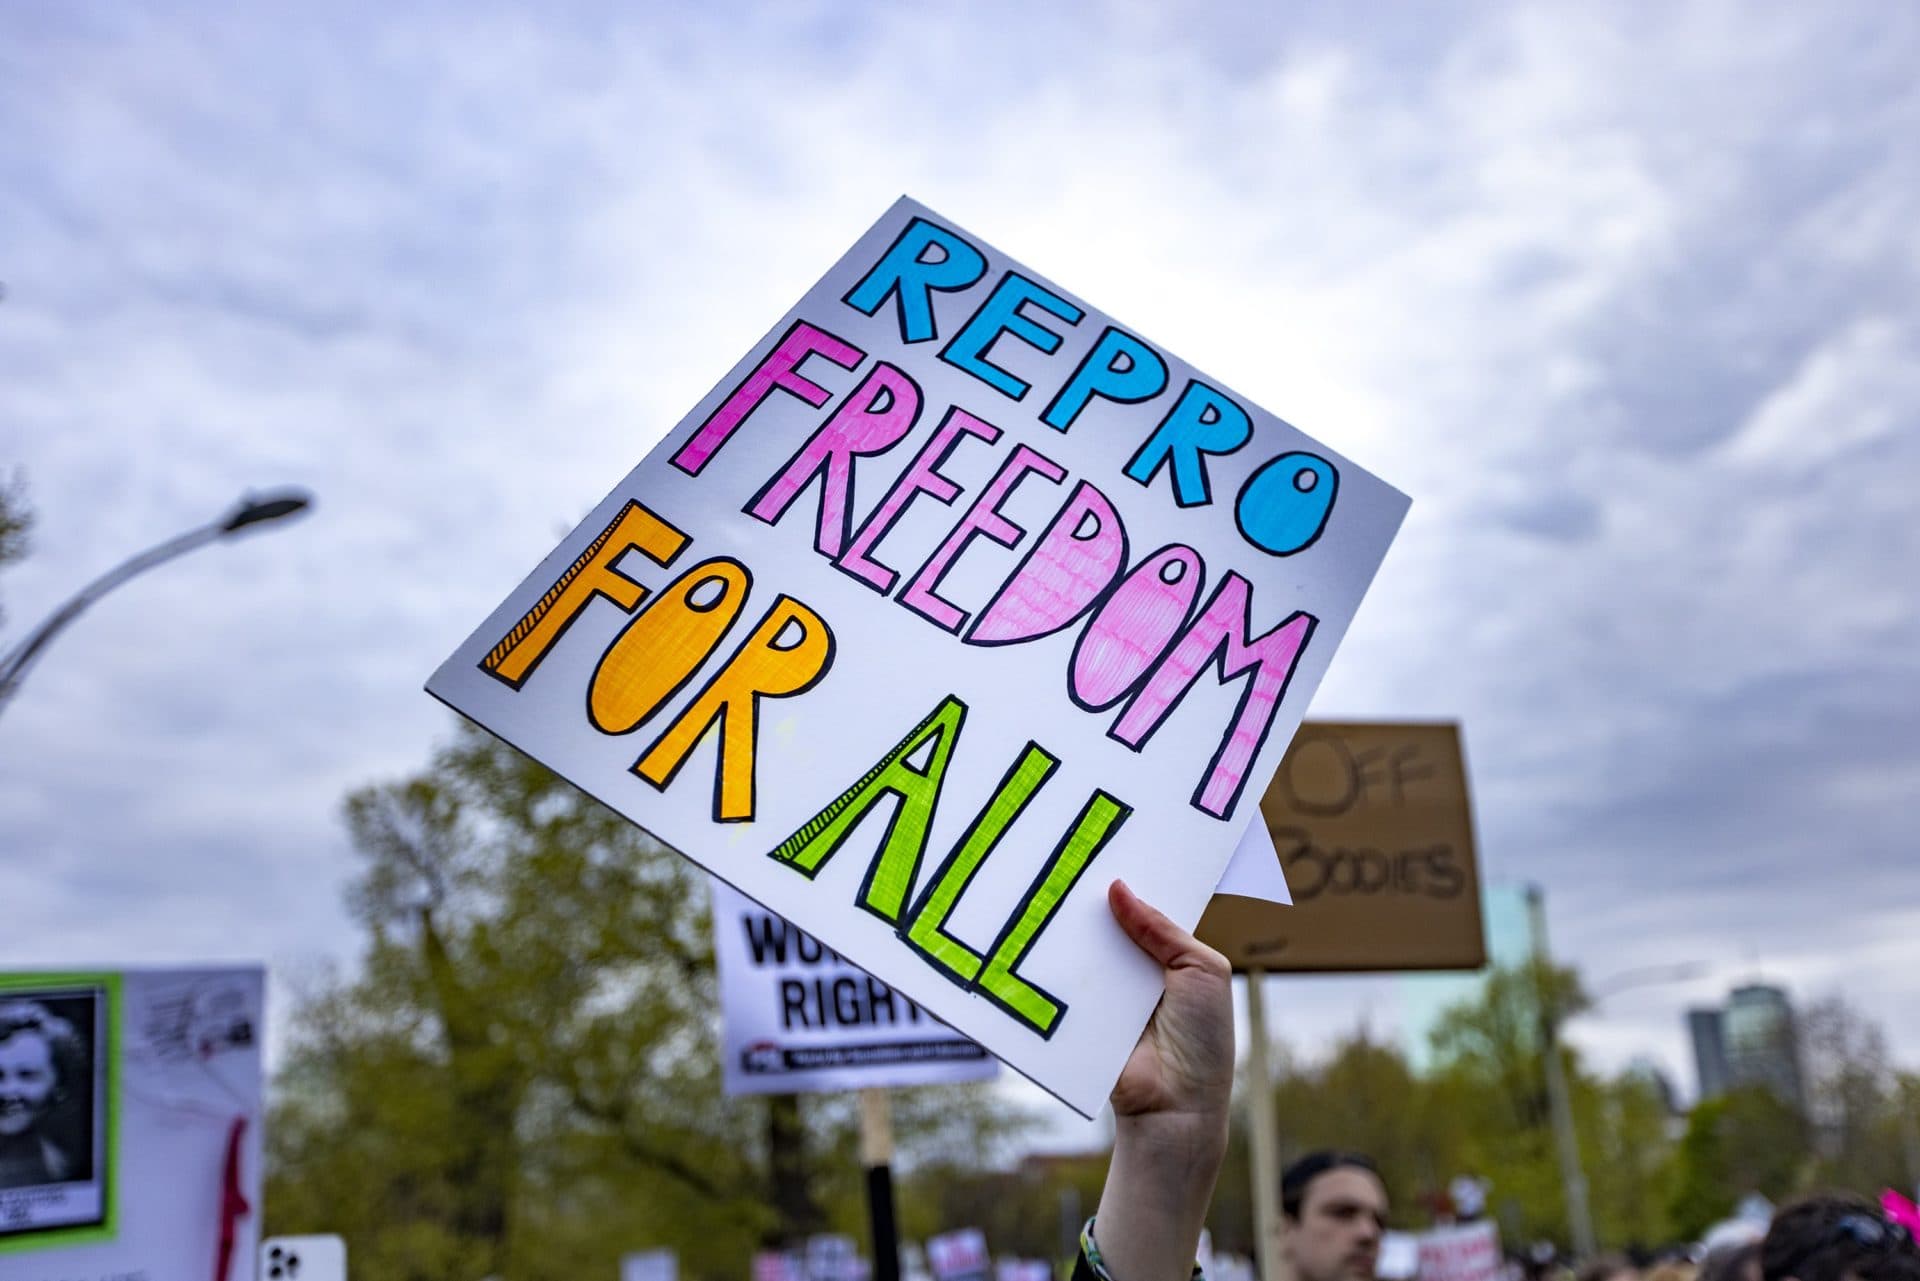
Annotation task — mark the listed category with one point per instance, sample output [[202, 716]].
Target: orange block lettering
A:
[[787, 654], [591, 574]]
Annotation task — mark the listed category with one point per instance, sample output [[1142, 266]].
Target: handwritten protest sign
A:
[[134, 1148], [796, 1018], [952, 602], [1466, 1252], [1374, 826]]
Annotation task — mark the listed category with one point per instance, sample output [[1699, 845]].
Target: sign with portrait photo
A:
[[56, 1137], [954, 601], [130, 1110]]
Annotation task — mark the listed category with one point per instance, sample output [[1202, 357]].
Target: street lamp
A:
[[1573, 1176], [252, 509]]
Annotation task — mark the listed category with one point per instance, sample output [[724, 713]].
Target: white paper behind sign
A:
[[797, 1018], [1255, 871], [124, 1166], [951, 603]]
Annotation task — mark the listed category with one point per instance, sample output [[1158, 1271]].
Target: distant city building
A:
[[1709, 1052], [1752, 1041]]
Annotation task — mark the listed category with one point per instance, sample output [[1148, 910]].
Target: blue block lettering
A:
[[1203, 421], [1000, 314], [1120, 367], [906, 272], [1284, 506]]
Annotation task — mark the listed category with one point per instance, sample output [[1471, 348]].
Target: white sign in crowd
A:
[[952, 602], [1462, 1252], [797, 1018], [135, 1149]]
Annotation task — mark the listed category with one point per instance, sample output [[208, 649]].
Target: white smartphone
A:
[[318, 1258]]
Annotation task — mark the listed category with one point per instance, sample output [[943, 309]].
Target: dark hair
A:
[[1834, 1237], [1298, 1177], [1729, 1262]]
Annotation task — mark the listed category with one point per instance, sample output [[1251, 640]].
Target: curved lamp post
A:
[[1573, 1175], [251, 510]]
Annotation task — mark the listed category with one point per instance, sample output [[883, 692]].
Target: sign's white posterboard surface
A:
[[951, 603]]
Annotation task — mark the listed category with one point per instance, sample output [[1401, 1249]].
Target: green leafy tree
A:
[[1628, 1158], [1853, 1098], [1743, 1141], [523, 1078], [1490, 1056]]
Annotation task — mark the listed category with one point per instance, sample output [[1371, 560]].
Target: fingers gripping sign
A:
[[1170, 1105], [1184, 1061]]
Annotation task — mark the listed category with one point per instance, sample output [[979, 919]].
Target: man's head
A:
[[1336, 1209], [38, 1053], [1837, 1238]]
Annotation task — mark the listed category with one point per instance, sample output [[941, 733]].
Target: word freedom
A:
[[1148, 625]]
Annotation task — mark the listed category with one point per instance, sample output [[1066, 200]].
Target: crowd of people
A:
[[1170, 1135]]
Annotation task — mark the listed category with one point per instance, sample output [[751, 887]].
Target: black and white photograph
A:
[[52, 1108]]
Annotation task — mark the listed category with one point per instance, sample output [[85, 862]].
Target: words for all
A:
[[1145, 635]]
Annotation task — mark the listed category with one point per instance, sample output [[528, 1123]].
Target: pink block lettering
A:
[[872, 420], [982, 518], [779, 369], [1078, 555], [1220, 634], [1134, 626], [922, 476]]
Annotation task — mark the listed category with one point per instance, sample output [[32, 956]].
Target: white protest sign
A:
[[950, 604], [779, 1265], [1012, 1269], [959, 1256], [1467, 1252], [650, 1265], [796, 1018], [130, 1132], [831, 1257]]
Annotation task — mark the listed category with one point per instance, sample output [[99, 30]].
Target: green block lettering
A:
[[1098, 821], [890, 877], [927, 932]]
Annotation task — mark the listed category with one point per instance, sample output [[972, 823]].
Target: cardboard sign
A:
[[796, 1018], [1373, 828], [951, 603], [130, 1106], [1467, 1252]]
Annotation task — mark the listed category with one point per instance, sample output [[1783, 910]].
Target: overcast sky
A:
[[1626, 297]]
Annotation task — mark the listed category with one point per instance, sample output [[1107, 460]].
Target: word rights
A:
[[953, 602]]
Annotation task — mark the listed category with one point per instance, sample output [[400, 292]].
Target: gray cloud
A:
[[1624, 296]]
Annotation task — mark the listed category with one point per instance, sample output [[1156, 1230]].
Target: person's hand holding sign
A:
[[1169, 1106]]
